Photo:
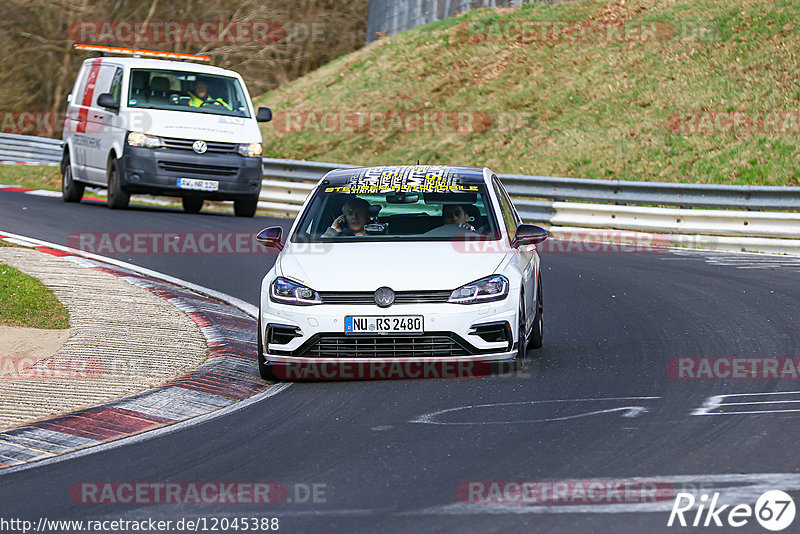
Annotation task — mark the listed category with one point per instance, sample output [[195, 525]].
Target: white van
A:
[[173, 128]]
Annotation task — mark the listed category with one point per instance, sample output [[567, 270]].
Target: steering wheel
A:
[[210, 103]]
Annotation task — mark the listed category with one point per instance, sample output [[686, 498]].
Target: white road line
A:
[[715, 401], [630, 411]]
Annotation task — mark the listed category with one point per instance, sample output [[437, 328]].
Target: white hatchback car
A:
[[400, 264]]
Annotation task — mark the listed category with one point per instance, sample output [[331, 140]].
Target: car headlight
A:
[[487, 289], [285, 291], [142, 140], [251, 150]]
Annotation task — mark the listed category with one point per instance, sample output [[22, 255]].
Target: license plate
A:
[[383, 324], [198, 185]]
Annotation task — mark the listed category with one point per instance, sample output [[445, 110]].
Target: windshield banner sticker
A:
[[412, 178]]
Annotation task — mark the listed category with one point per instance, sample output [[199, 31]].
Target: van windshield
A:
[[187, 91]]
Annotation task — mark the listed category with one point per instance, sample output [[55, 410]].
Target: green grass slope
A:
[[661, 90]]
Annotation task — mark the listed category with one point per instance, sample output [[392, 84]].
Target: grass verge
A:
[[31, 176], [25, 301], [631, 90]]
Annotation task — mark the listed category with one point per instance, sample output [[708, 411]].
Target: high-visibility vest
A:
[[196, 101]]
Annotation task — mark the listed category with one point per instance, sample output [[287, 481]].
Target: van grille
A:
[[197, 168], [214, 147]]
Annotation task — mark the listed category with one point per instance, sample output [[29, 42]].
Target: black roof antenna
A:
[[418, 163]]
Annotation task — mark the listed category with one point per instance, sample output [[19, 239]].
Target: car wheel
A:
[[71, 191], [535, 341], [117, 198], [245, 207], [264, 369], [520, 360], [192, 204]]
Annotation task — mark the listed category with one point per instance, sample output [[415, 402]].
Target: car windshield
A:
[[398, 204], [187, 91]]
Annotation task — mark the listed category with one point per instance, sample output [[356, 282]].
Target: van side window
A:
[[116, 86], [100, 80]]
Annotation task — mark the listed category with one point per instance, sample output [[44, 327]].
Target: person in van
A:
[[200, 97]]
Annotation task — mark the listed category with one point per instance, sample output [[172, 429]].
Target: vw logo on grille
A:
[[200, 146], [384, 297]]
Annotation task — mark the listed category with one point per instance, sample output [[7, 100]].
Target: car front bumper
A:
[[452, 325]]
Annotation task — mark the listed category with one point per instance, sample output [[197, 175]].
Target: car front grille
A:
[[368, 297], [198, 169], [213, 146], [390, 346]]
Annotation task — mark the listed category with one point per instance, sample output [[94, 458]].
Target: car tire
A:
[[192, 204], [520, 363], [117, 198], [71, 191], [264, 369], [535, 341], [245, 207]]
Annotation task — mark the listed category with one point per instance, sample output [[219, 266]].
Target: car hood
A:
[[401, 266]]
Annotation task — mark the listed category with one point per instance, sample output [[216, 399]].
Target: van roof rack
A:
[[139, 53]]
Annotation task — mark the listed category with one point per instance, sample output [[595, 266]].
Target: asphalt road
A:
[[599, 403]]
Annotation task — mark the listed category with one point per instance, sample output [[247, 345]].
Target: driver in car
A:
[[355, 215], [455, 214], [200, 97]]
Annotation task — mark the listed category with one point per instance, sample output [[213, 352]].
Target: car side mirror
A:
[[264, 115], [107, 101], [271, 237], [528, 234]]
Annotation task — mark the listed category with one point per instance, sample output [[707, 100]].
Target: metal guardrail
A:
[[655, 193], [526, 189], [30, 149]]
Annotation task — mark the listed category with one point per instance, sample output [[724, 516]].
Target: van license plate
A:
[[198, 185]]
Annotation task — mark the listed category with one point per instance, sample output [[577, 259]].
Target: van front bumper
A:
[[157, 171]]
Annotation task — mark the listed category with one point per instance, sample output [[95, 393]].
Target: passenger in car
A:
[[456, 214], [355, 215]]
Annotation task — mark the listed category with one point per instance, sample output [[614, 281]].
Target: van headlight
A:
[[251, 150], [487, 289], [142, 140], [286, 291]]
